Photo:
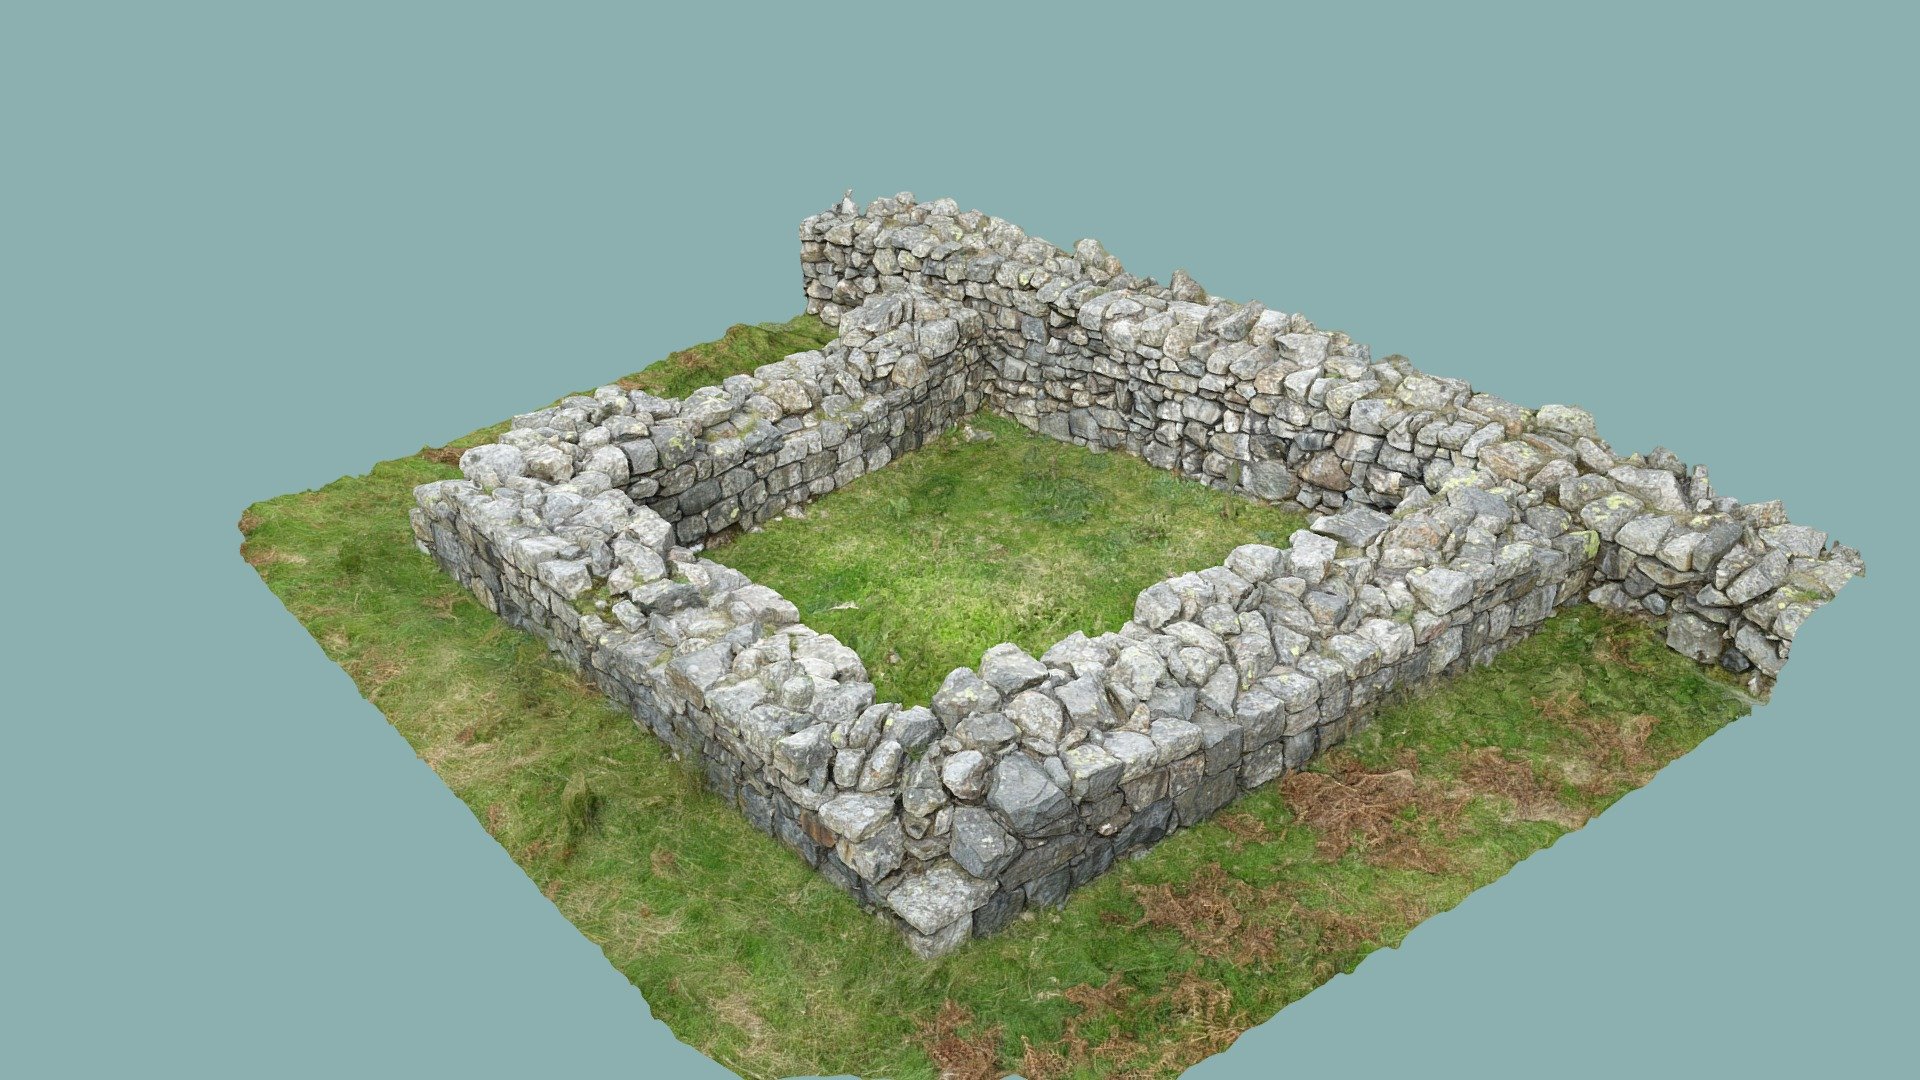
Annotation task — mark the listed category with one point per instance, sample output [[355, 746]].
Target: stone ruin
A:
[[1450, 524]]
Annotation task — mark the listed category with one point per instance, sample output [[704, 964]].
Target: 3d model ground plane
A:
[[1135, 658]]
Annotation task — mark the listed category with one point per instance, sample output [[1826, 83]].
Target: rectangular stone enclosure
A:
[[1450, 524]]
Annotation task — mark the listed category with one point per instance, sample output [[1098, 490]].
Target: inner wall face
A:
[[1029, 776]]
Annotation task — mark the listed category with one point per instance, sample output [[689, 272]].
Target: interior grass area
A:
[[751, 956], [963, 544]]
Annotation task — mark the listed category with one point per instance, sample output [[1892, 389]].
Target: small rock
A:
[[965, 774]]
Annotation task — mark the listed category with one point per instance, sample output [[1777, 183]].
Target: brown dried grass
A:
[[1384, 814], [1489, 771], [1194, 1018], [970, 1055], [1619, 649], [262, 557], [1218, 916], [1618, 749], [1246, 829]]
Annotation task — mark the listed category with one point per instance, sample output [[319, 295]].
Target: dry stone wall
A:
[[750, 448], [1256, 400], [1452, 524]]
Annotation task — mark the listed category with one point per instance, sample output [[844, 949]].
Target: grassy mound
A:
[[749, 955]]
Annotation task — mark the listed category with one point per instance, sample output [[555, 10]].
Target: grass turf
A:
[[747, 954], [959, 546]]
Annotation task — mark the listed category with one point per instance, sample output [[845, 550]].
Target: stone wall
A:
[[748, 449], [1260, 401], [1453, 524]]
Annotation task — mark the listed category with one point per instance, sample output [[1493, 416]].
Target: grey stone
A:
[[1690, 635], [986, 731], [930, 946], [1038, 716], [965, 774], [642, 456], [1755, 647], [1440, 589], [1136, 753], [701, 668], [650, 531], [856, 816], [962, 694], [1025, 795], [610, 461], [1757, 580], [1156, 606], [882, 766], [1795, 539], [567, 577], [1009, 669], [1607, 514], [1139, 670], [492, 465], [1093, 772], [878, 855], [1358, 525], [1255, 562], [913, 728], [1658, 488], [1175, 739], [979, 844], [1566, 420], [1309, 554], [1085, 702], [1270, 480], [934, 899], [802, 757], [548, 463], [923, 794], [1644, 535], [937, 337]]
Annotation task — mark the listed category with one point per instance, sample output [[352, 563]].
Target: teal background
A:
[[248, 248]]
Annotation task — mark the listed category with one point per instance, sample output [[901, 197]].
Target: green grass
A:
[[959, 546], [738, 352], [749, 955]]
